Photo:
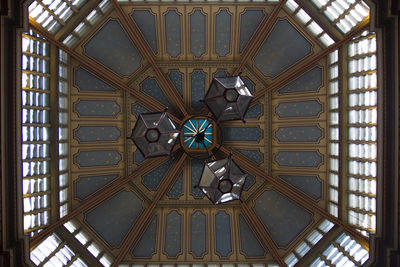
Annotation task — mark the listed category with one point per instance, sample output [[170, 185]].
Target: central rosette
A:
[[198, 133]]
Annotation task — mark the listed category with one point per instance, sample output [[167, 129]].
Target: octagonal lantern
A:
[[228, 98], [222, 180], [154, 134]]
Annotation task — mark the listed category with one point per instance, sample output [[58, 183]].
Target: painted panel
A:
[[87, 185], [150, 87], [254, 112], [146, 246], [146, 21], [310, 185], [173, 235], [299, 158], [112, 47], [196, 168], [176, 190], [198, 234], [311, 108], [253, 154], [311, 81], [299, 134], [220, 74], [283, 47], [97, 133], [249, 84], [137, 109], [250, 180], [249, 21], [97, 108], [86, 81], [249, 244], [253, 134], [153, 178], [138, 157], [114, 217], [284, 219], [198, 33], [176, 78], [87, 158], [197, 88], [223, 246], [222, 33], [173, 32]]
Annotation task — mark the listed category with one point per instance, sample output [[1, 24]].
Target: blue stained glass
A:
[[192, 127]]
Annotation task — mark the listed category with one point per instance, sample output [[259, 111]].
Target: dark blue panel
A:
[[223, 234], [97, 133], [311, 81], [253, 134], [220, 74], [87, 158], [310, 185], [249, 21], [196, 169], [249, 84], [112, 47], [254, 112], [97, 108], [176, 78], [197, 33], [150, 87], [253, 154], [173, 32], [153, 178], [85, 81], [146, 246], [283, 47], [311, 108], [198, 85], [176, 190], [284, 219], [250, 180], [87, 185], [249, 244], [222, 33], [138, 157], [299, 134], [172, 244], [114, 217], [146, 21], [299, 158], [137, 109], [198, 234]]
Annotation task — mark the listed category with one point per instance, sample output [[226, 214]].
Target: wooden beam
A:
[[255, 41], [134, 32], [146, 216], [305, 64], [147, 100], [294, 194], [266, 238]]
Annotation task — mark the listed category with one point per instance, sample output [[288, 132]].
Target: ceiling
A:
[[141, 57]]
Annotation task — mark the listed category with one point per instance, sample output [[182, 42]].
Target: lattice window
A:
[[309, 23], [344, 14], [35, 132], [343, 251]]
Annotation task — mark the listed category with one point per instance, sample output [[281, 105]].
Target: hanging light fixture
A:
[[228, 98]]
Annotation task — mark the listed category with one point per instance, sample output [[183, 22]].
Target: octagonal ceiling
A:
[[135, 57]]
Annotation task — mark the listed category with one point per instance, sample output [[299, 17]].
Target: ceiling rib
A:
[[147, 100], [133, 31], [291, 74], [296, 195], [266, 238], [146, 216], [257, 38], [96, 199]]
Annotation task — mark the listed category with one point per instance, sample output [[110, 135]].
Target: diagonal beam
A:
[[133, 31], [96, 199], [266, 238], [294, 194], [146, 216], [147, 100], [257, 38], [294, 72]]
